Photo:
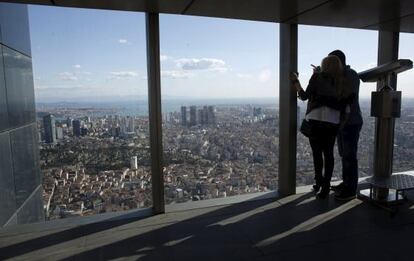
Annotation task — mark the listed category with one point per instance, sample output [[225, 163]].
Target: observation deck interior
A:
[[295, 227]]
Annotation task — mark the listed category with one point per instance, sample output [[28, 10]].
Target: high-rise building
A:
[[193, 115], [201, 116], [131, 124], [257, 112], [113, 131], [183, 115], [83, 131], [117, 131], [50, 128], [69, 122], [59, 133], [123, 125], [205, 115], [76, 124], [134, 162], [211, 116], [171, 117]]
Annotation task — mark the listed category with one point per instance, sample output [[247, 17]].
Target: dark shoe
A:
[[316, 188], [324, 193], [338, 188], [345, 195]]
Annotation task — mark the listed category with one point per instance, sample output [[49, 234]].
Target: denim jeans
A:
[[348, 139]]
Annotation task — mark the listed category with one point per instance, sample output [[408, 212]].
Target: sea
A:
[[140, 107]]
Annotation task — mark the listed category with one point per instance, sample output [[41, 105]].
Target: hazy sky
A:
[[93, 53]]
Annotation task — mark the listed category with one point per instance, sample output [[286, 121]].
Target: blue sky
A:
[[95, 53]]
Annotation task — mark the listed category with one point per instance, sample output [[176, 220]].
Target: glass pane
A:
[[220, 107], [92, 110], [360, 48], [404, 126]]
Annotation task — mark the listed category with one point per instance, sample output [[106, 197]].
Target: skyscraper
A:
[[211, 117], [205, 115], [134, 162], [76, 128], [59, 133], [123, 125], [193, 115], [183, 115], [83, 131], [69, 122], [50, 128], [201, 117], [131, 124], [257, 112]]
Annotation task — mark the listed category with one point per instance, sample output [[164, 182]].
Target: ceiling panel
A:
[[405, 24], [172, 6], [355, 13], [39, 2], [126, 5], [162, 6], [260, 10], [367, 14]]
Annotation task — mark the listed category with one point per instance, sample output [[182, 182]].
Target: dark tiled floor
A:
[[294, 228]]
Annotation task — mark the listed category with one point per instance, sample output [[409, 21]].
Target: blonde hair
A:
[[332, 65]]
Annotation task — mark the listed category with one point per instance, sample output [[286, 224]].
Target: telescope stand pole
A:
[[384, 127]]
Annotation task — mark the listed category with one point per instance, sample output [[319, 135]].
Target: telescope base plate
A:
[[392, 198]]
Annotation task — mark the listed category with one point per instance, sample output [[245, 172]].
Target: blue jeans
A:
[[348, 139]]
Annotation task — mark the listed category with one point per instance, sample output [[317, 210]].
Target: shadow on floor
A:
[[50, 240], [63, 236], [245, 234], [301, 227]]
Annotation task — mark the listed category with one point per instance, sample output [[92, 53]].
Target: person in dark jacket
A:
[[327, 99], [348, 136]]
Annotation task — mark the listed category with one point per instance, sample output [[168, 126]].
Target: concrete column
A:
[[155, 118], [287, 109]]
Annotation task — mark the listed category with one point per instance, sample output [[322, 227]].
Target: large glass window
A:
[[220, 107], [92, 110], [404, 126], [360, 48]]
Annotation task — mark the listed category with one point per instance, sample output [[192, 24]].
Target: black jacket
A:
[[321, 91], [352, 79]]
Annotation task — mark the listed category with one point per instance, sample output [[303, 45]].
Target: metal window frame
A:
[[154, 109], [288, 62]]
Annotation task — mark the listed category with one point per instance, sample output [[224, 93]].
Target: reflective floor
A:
[[293, 228]]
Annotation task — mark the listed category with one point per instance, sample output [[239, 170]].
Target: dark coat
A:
[[352, 80], [321, 91]]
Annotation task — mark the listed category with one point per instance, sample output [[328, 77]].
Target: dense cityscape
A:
[[97, 160]]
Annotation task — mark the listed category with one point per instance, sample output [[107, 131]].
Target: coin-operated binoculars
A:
[[385, 106]]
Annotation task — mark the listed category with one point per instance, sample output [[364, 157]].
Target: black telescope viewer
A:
[[382, 72]]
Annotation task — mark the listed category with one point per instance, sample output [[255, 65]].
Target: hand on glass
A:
[[295, 81], [294, 76]]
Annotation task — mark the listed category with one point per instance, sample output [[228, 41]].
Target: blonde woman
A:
[[327, 102]]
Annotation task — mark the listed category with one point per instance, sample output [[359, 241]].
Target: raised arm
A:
[[302, 94]]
